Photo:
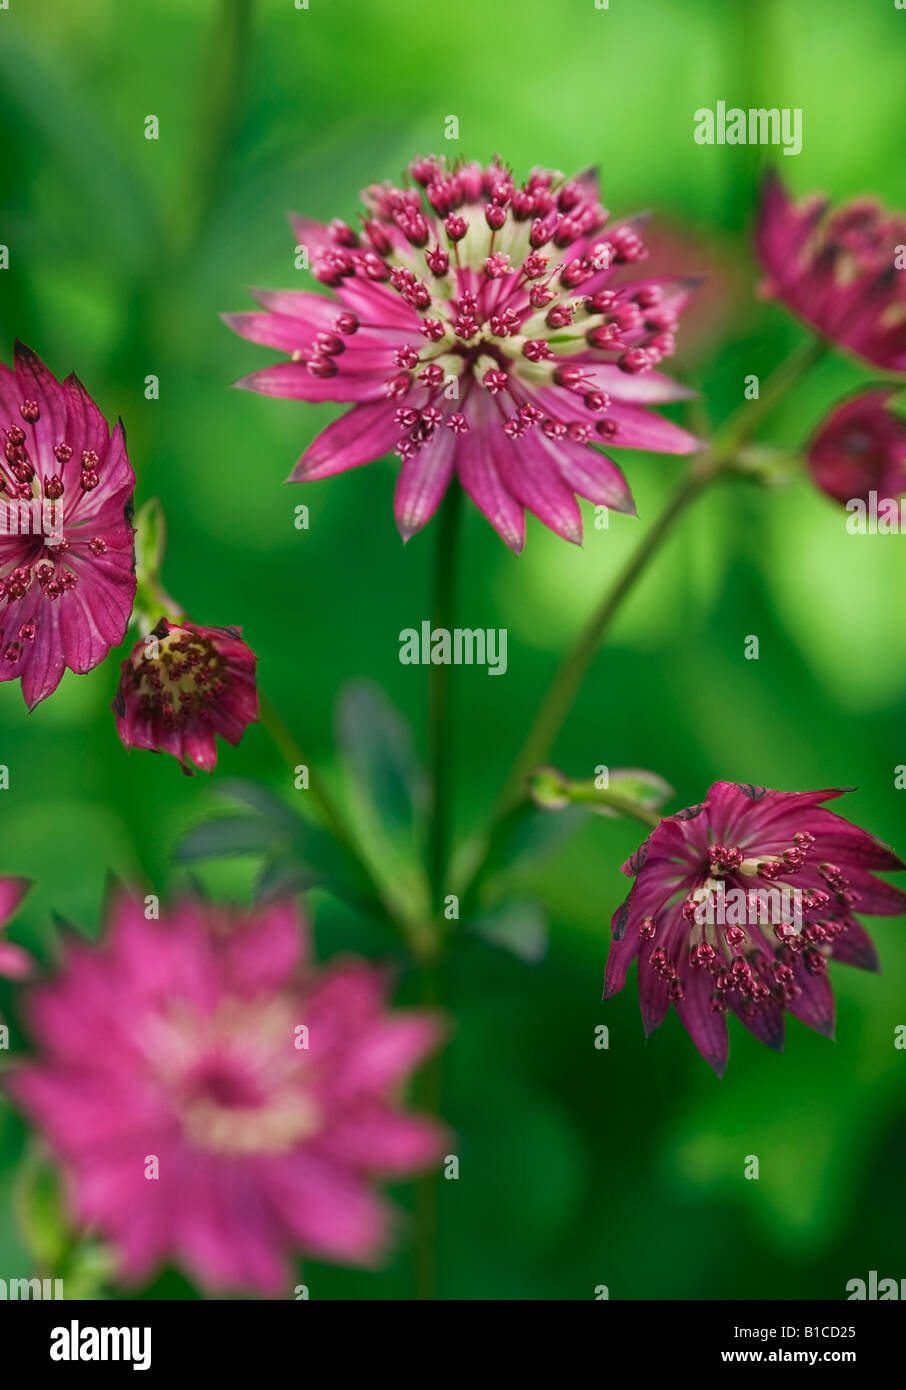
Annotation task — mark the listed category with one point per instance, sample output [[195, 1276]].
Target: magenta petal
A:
[[327, 1210], [293, 379], [481, 480], [654, 993], [360, 436], [271, 330], [814, 1005], [647, 388], [422, 482], [707, 1029], [640, 429], [855, 947], [15, 962], [12, 891], [527, 472], [589, 473]]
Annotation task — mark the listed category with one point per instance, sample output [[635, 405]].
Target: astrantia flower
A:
[[261, 1087], [483, 330], [748, 840], [837, 270], [861, 448], [15, 963], [66, 539], [181, 686]]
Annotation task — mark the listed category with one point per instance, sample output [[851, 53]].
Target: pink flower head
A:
[[218, 1102], [739, 903], [837, 270], [66, 539], [182, 685], [15, 963], [860, 448], [482, 329]]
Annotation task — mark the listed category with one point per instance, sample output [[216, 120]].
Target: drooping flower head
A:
[[181, 686], [15, 961], [66, 538], [218, 1102], [793, 872], [860, 448], [484, 330], [837, 270]]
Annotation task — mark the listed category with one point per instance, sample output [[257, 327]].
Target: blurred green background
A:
[[580, 1167]]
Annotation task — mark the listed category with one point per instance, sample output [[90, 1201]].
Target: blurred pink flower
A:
[[860, 448], [184, 1041], [837, 270], [747, 838], [67, 577], [181, 686], [15, 963], [477, 330]]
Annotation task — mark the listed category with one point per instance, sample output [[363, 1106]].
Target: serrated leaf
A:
[[230, 835], [388, 791], [519, 927], [150, 541], [260, 799], [377, 748], [279, 879], [530, 835]]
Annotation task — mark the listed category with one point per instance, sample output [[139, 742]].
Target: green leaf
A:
[[229, 835], [279, 879], [150, 541], [298, 854], [529, 835], [519, 927], [89, 1268], [388, 792], [40, 1210]]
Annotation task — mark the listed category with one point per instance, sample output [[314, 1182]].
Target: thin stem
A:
[[705, 470], [283, 740], [222, 84], [445, 566], [433, 992], [716, 462], [741, 425], [562, 690]]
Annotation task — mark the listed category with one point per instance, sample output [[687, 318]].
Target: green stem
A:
[[283, 740], [716, 462], [741, 425], [565, 685], [440, 762], [430, 1084], [587, 794], [221, 84]]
